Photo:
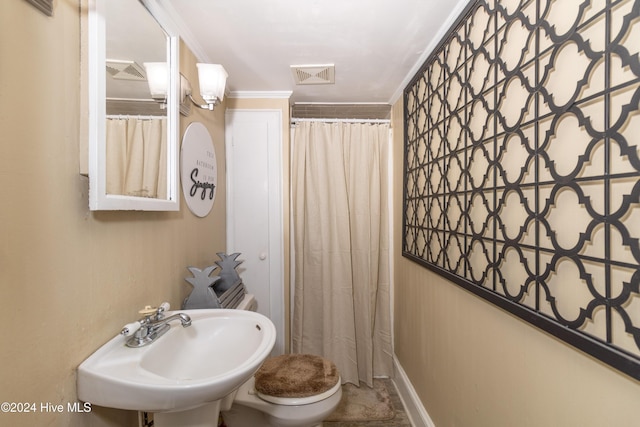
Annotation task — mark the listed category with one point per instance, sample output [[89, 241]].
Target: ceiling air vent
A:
[[125, 70], [313, 74]]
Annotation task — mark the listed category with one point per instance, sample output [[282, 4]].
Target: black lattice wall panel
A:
[[522, 166]]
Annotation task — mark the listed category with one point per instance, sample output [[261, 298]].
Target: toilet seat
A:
[[296, 379], [296, 401]]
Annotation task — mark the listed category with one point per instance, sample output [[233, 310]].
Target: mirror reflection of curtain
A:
[[137, 157], [341, 241]]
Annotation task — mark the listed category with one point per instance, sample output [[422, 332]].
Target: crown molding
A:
[[246, 94]]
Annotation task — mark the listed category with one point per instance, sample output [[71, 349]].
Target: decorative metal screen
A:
[[522, 167]]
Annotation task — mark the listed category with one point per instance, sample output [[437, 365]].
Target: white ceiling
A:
[[376, 45]]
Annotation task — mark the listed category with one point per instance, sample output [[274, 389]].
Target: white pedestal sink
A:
[[183, 375]]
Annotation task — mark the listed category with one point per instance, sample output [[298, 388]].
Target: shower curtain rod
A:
[[294, 120], [133, 116]]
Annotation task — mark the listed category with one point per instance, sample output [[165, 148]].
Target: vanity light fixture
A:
[[158, 81], [212, 79]]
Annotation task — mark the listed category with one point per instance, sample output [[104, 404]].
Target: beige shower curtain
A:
[[137, 157], [341, 244]]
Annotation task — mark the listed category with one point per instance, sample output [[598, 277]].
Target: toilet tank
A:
[[248, 303]]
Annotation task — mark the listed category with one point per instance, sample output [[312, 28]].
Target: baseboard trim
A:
[[415, 409]]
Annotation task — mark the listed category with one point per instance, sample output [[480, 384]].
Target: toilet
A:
[[294, 390]]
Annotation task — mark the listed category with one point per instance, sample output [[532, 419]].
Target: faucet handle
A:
[[130, 328]]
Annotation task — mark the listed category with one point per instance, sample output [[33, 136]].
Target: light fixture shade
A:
[[212, 78], [158, 79]]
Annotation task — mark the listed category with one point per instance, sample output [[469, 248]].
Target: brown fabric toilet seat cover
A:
[[296, 375]]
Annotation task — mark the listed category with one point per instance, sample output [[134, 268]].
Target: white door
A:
[[254, 208]]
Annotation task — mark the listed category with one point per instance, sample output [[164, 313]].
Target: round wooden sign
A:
[[199, 170]]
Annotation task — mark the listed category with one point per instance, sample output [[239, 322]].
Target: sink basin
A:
[[184, 369]]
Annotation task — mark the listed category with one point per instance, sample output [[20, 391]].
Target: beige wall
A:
[[70, 278], [474, 365]]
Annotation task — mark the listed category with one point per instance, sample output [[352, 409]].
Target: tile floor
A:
[[400, 418]]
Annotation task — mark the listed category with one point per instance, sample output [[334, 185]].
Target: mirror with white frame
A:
[[133, 139]]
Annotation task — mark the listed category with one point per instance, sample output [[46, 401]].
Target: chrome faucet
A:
[[152, 326]]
